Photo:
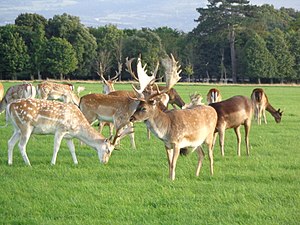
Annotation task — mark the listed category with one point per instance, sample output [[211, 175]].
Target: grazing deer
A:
[[26, 90], [213, 95], [196, 99], [232, 113], [37, 116], [261, 104], [56, 91], [178, 128], [1, 91]]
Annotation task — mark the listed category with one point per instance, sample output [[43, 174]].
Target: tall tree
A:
[[221, 19], [294, 46], [13, 53], [84, 43], [60, 57], [258, 61], [277, 45]]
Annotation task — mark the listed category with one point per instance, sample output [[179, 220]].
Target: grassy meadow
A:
[[134, 188]]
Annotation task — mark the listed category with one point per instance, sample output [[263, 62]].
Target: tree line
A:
[[232, 41]]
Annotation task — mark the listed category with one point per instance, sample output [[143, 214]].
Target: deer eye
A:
[[143, 109]]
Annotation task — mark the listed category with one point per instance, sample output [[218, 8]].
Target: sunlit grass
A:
[[134, 188]]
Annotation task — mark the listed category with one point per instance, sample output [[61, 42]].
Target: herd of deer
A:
[[190, 126]]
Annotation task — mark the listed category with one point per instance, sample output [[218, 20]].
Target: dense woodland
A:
[[231, 42]]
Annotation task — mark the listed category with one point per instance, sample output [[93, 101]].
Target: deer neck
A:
[[158, 123], [271, 110], [89, 136]]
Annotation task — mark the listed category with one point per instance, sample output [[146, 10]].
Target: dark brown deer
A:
[[213, 95], [179, 128], [261, 104], [232, 113]]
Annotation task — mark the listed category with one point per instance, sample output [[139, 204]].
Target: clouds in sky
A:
[[178, 14]]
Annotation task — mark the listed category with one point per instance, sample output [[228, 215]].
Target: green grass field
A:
[[134, 188]]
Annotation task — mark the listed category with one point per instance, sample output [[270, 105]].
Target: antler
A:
[[172, 71], [123, 133], [143, 78], [129, 69], [117, 72]]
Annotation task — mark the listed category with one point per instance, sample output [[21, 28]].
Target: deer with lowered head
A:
[[37, 116], [213, 95], [178, 128], [196, 100], [26, 90], [261, 104], [232, 113]]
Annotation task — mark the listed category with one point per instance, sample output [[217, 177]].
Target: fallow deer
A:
[[26, 90], [196, 99], [179, 128], [37, 116], [1, 91], [213, 95], [261, 104], [56, 91], [232, 113], [113, 108]]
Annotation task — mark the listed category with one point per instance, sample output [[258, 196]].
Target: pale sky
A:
[[177, 14]]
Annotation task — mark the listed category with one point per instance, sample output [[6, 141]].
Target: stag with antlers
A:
[[178, 128]]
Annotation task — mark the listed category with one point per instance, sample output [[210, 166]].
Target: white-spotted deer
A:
[[178, 128], [213, 95], [261, 104], [56, 91], [232, 113], [37, 116], [196, 100], [26, 90]]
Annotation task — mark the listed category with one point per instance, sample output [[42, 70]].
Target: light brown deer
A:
[[261, 104], [232, 113], [213, 95], [111, 108], [196, 100], [1, 91], [179, 128], [56, 91], [26, 90], [36, 116]]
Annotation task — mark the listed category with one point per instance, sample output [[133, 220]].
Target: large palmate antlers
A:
[[172, 71], [129, 68]]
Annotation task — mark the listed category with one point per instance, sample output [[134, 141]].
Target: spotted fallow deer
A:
[[232, 113], [64, 120], [1, 91], [56, 91], [213, 95], [26, 90], [196, 100], [178, 128], [261, 104]]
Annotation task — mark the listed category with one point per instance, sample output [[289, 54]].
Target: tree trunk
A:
[[61, 76], [39, 75], [232, 53]]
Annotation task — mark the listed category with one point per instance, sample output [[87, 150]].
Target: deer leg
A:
[[57, 141], [132, 137], [259, 116], [176, 151], [238, 137], [111, 129], [101, 125], [221, 140], [200, 159], [22, 145], [71, 146], [11, 144], [148, 133], [169, 155], [264, 115], [210, 144], [247, 131]]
